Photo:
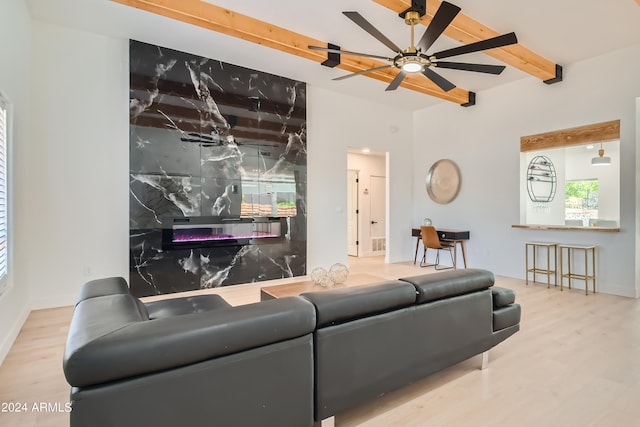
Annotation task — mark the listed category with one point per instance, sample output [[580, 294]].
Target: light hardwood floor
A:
[[575, 362]]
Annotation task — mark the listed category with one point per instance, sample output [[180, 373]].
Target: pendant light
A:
[[601, 160]]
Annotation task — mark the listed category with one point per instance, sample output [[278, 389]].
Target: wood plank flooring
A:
[[575, 362]]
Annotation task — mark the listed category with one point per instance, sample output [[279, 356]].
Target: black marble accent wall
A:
[[218, 142]]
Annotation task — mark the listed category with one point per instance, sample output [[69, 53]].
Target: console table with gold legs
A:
[[589, 255]]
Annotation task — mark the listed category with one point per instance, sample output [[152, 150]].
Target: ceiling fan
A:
[[414, 59]]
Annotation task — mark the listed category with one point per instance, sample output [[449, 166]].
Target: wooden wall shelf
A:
[[566, 227]]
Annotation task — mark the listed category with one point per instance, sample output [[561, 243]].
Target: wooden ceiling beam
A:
[[598, 132], [466, 30], [225, 21]]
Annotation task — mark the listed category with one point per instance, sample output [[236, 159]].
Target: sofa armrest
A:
[[502, 297], [340, 305], [132, 348], [506, 317], [435, 286]]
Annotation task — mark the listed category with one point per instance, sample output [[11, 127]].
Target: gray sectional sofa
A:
[[195, 361]]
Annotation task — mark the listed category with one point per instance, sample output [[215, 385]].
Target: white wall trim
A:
[[372, 254], [13, 333], [53, 302]]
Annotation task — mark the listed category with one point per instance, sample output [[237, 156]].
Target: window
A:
[[4, 247], [581, 201]]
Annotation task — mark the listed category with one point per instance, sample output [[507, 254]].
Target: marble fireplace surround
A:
[[213, 140]]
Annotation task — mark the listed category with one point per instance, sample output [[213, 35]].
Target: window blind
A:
[[4, 247]]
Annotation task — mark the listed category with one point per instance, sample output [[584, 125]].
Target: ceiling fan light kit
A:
[[414, 59], [411, 63]]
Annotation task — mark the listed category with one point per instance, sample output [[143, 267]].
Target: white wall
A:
[[14, 83], [485, 141], [78, 209]]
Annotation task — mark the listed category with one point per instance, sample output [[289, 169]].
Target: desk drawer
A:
[[453, 235]]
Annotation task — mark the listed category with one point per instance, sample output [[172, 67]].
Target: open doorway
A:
[[367, 203]]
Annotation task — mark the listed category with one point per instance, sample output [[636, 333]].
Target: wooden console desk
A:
[[455, 236]]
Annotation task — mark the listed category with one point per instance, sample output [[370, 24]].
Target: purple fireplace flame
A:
[[206, 234]]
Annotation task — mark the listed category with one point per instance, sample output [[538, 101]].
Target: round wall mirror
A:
[[443, 181]]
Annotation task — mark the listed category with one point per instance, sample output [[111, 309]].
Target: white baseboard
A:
[[57, 301], [13, 332], [613, 290], [373, 253]]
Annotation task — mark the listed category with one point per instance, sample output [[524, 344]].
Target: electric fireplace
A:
[[205, 232]]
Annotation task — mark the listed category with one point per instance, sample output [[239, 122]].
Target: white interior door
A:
[[378, 196], [352, 216]]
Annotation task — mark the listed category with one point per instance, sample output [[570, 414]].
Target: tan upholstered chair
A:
[[430, 240]]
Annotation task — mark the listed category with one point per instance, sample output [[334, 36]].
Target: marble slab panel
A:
[[208, 138]]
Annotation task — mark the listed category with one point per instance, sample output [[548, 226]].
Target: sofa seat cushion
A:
[[186, 305], [340, 305], [102, 287], [502, 297], [505, 317], [436, 286]]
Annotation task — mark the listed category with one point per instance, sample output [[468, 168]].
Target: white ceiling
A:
[[563, 31]]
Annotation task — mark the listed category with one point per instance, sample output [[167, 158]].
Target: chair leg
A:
[[438, 261], [424, 262]]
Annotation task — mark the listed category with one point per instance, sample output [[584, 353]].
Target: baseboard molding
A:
[[613, 290], [54, 302], [13, 332], [373, 253], [605, 289]]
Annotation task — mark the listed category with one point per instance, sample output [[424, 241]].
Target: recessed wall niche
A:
[[218, 173]]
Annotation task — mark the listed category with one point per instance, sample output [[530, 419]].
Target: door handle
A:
[[374, 222]]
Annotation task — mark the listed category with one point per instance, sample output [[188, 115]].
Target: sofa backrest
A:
[[432, 287], [341, 305]]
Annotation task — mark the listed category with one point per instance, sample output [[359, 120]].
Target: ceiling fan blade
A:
[[441, 20], [369, 28], [363, 72], [499, 41], [348, 52], [442, 83], [478, 68], [396, 82]]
